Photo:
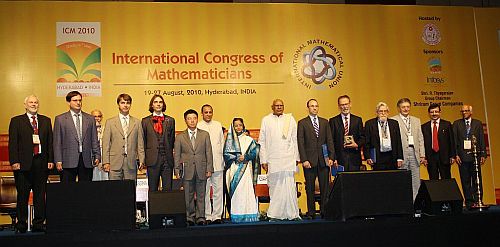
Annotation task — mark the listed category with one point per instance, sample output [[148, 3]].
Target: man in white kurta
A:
[[279, 156], [213, 211]]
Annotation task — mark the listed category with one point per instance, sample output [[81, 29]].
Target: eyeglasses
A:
[[465, 111]]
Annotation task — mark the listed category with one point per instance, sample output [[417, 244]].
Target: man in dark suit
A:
[[383, 149], [439, 144], [317, 154], [30, 155], [159, 137], [348, 135], [76, 147], [465, 131], [193, 158]]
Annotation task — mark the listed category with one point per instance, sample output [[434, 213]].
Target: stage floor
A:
[[472, 228]]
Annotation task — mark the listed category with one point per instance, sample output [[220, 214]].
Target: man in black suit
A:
[[348, 135], [465, 131], [439, 144], [30, 155], [159, 137], [383, 149], [317, 154]]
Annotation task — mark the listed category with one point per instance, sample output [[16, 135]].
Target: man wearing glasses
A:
[[383, 149], [469, 132]]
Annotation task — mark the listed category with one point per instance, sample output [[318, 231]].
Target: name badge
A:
[[410, 141], [467, 144], [36, 139], [386, 142]]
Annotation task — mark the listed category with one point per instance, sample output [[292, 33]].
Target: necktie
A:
[[158, 124], [78, 128], [193, 138], [467, 128], [316, 126], [36, 148], [435, 142], [346, 126], [125, 131]]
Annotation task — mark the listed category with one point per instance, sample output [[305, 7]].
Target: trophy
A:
[[479, 205]]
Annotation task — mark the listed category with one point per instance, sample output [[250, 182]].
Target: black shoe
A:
[[201, 223], [216, 222], [209, 222], [190, 223], [21, 230], [39, 229]]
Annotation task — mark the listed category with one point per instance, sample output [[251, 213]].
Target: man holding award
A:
[[317, 154], [348, 135]]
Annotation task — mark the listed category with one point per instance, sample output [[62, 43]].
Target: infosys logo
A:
[[318, 64]]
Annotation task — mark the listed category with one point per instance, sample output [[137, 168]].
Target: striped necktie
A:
[[346, 126], [316, 126]]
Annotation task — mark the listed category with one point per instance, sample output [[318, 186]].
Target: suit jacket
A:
[[113, 143], [152, 139], [310, 146], [416, 132], [445, 139], [21, 141], [199, 158], [66, 148], [358, 133], [476, 129], [373, 139]]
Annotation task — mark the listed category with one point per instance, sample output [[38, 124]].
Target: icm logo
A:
[[318, 64]]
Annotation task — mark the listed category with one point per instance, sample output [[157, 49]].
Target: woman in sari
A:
[[240, 152]]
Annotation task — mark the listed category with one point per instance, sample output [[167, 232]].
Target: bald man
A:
[[30, 156], [465, 130]]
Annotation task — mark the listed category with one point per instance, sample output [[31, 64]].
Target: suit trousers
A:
[[348, 160], [310, 174], [123, 173], [412, 164], [36, 180], [195, 212], [213, 210], [83, 173], [163, 170], [438, 169], [469, 185]]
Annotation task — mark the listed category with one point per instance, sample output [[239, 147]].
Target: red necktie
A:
[[157, 126], [435, 142], [34, 124]]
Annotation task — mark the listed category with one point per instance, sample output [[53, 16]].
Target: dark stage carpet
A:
[[472, 228]]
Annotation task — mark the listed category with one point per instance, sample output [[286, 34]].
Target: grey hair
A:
[[380, 104]]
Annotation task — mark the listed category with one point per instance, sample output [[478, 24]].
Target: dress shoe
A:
[[216, 222], [208, 222], [21, 230], [201, 223], [190, 223]]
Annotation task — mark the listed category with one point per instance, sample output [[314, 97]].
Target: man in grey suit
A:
[[122, 143], [464, 130], [76, 147], [193, 161], [317, 154], [412, 141]]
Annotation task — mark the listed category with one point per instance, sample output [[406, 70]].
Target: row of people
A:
[[75, 149]]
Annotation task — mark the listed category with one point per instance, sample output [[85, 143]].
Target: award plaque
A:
[[348, 140]]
